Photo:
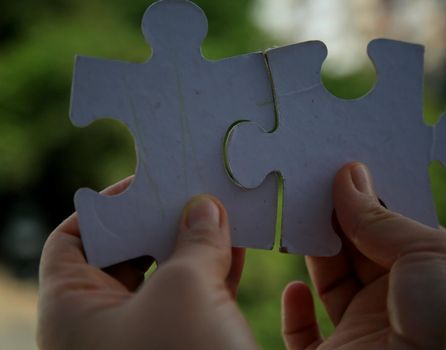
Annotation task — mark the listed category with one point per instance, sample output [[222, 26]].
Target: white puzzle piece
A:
[[178, 107], [439, 144], [318, 133]]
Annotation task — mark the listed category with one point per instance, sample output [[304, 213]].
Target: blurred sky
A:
[[346, 26]]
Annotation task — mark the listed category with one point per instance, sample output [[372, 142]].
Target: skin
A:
[[385, 290], [387, 287], [188, 303]]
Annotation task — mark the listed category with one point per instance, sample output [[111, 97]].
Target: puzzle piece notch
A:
[[96, 249], [319, 132], [178, 107], [308, 59]]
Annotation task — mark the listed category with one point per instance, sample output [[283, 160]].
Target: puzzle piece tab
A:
[[178, 107], [319, 132]]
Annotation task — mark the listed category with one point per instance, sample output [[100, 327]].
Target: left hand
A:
[[187, 303]]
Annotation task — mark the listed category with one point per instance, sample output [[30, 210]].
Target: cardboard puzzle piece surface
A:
[[318, 133], [178, 107], [439, 144]]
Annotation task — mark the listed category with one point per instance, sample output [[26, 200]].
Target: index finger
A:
[[71, 226], [64, 246]]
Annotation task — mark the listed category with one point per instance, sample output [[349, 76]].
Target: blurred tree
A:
[[44, 159]]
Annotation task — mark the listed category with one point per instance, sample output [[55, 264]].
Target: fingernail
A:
[[361, 178], [201, 210]]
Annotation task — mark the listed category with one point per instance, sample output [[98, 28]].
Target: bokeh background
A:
[[44, 159]]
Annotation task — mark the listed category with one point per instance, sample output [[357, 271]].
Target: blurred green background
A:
[[44, 159]]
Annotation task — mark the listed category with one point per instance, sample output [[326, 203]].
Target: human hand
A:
[[387, 287], [188, 302]]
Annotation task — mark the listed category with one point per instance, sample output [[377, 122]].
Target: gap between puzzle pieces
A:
[[317, 133], [178, 106]]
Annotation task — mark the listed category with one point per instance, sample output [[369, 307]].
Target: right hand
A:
[[387, 287]]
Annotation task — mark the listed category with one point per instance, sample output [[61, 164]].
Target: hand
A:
[[387, 287], [188, 303]]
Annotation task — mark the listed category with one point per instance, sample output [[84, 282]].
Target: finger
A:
[[63, 247], [235, 273], [299, 326], [204, 242], [131, 273], [62, 252], [365, 269], [71, 225], [118, 187], [335, 281], [378, 233]]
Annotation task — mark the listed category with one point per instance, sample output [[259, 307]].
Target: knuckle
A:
[[205, 236], [182, 273], [432, 247], [374, 215], [419, 258]]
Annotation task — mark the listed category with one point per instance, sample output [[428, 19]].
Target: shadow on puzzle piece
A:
[[178, 107], [318, 133]]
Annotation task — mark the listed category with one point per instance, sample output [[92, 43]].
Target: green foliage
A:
[[35, 76], [265, 276], [437, 174], [350, 87], [45, 159]]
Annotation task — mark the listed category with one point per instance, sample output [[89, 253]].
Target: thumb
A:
[[378, 233], [203, 242], [299, 325]]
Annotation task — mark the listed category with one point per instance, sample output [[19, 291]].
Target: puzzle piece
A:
[[178, 107], [439, 151], [319, 132]]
